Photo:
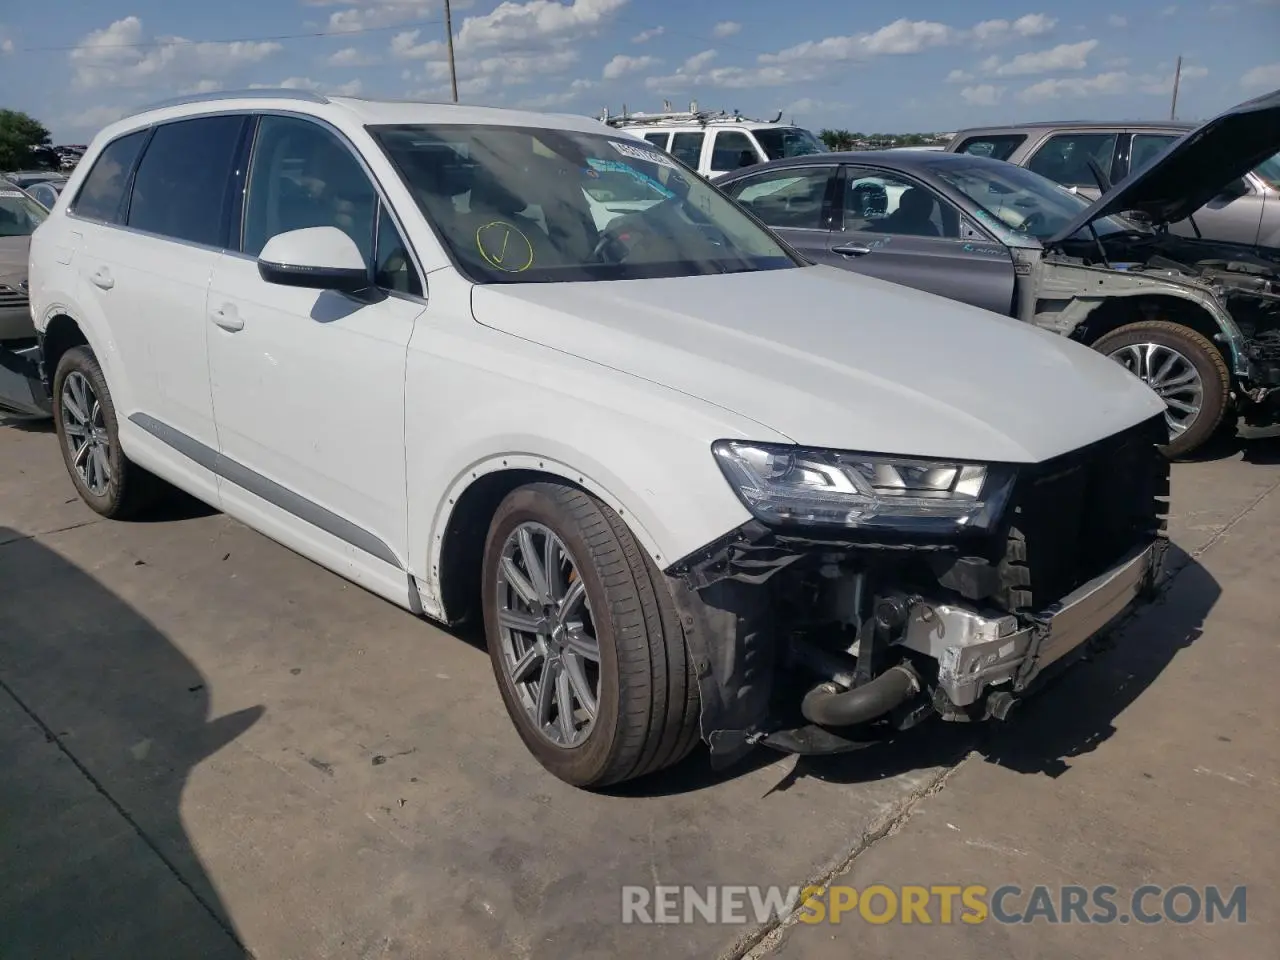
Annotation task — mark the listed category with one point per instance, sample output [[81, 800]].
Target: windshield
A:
[[780, 142], [1269, 171], [19, 214], [1020, 200], [530, 205]]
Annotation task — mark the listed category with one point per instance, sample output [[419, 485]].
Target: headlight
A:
[[782, 484]]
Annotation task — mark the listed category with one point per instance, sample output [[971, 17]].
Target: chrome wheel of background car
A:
[[1171, 375], [85, 429], [549, 649]]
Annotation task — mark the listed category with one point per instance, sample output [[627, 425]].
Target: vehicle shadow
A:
[[1252, 446], [102, 720]]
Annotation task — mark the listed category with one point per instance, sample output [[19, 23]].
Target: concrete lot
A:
[[214, 748]]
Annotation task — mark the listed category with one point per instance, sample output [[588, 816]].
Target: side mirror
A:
[[318, 258]]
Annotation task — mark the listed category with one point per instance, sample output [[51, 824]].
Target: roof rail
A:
[[256, 93]]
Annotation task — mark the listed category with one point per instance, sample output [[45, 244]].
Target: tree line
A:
[[24, 142], [851, 140]]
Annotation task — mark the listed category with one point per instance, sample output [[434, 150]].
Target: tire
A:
[[646, 693], [1124, 345], [128, 489]]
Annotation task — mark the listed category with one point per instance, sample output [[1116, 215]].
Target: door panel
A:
[[1233, 219], [796, 202], [308, 385], [902, 231]]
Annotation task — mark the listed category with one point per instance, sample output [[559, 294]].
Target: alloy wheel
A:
[[85, 428], [1171, 375], [549, 649]]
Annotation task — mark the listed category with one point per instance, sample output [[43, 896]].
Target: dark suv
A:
[[1247, 212]]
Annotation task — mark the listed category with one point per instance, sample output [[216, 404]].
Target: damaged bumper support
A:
[[975, 651]]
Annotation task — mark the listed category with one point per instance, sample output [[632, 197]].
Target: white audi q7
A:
[[525, 367]]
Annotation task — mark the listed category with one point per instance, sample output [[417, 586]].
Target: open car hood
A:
[[1194, 170]]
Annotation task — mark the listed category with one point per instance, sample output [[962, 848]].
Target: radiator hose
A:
[[829, 706]]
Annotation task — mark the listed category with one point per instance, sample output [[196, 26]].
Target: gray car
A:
[[1197, 319], [19, 216], [1245, 211]]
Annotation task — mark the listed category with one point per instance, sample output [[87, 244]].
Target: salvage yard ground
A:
[[214, 748]]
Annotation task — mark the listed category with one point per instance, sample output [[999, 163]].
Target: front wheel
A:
[[1184, 368], [584, 639]]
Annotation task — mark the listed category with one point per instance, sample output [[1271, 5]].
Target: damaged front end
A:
[[814, 638]]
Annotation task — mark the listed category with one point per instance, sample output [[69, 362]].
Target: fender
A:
[[1063, 282]]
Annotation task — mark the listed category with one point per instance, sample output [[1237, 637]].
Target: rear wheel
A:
[[1184, 368], [584, 639], [85, 418]]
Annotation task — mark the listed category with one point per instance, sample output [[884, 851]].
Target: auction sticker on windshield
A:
[[641, 153]]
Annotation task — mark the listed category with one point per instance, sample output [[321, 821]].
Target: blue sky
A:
[[861, 64]]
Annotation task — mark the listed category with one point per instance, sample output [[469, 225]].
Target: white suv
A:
[[714, 144], [675, 469]]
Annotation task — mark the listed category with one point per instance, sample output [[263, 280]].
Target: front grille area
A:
[[12, 296], [1076, 516]]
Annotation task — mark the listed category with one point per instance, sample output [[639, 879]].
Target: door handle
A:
[[102, 278], [851, 250], [228, 318]]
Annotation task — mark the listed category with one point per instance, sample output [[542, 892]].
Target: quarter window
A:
[[102, 195], [303, 176], [659, 140], [1065, 157], [880, 202], [790, 198], [733, 150], [393, 267], [687, 148], [182, 183], [1146, 147]]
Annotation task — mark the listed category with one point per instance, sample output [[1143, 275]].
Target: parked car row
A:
[[740, 497], [1196, 317]]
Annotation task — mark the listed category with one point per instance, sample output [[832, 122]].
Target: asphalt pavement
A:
[[214, 748]]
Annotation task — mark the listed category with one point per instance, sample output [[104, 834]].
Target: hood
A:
[[1195, 169], [13, 259], [832, 359]]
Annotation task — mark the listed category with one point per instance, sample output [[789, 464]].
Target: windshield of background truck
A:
[[531, 205], [780, 142], [1021, 200]]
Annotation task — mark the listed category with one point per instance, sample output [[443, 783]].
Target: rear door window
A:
[[793, 197], [102, 196], [1065, 157], [687, 148], [1146, 147], [733, 149], [659, 140], [183, 182], [997, 146], [878, 201]]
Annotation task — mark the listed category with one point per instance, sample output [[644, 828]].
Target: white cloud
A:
[[1169, 11], [1073, 87], [998, 31], [405, 46], [91, 119], [1266, 77], [1065, 56], [6, 45], [351, 88], [1117, 21], [621, 65], [373, 14], [697, 71], [644, 36], [959, 76], [808, 106], [509, 69], [352, 57], [699, 60], [202, 86], [983, 95], [899, 37], [535, 23], [726, 28], [121, 56]]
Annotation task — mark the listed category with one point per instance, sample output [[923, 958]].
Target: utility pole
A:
[[453, 68], [1177, 77]]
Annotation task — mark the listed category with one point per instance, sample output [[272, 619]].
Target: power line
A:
[[181, 41]]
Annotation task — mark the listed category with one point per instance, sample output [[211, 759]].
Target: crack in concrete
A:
[[23, 537]]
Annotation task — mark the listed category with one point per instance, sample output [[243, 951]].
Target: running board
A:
[[21, 388]]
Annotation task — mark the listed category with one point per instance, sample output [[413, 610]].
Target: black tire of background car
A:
[[132, 489], [647, 717], [1204, 356]]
